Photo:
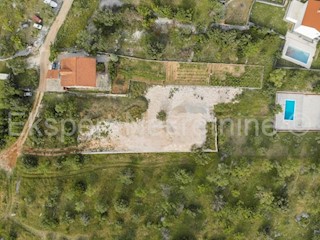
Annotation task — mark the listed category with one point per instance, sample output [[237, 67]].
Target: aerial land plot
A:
[[176, 121], [183, 73], [237, 11], [270, 17]]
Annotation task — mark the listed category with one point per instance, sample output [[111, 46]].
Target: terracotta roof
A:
[[53, 74], [78, 72], [312, 15]]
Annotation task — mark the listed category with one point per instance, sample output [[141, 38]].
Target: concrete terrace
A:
[[306, 115]]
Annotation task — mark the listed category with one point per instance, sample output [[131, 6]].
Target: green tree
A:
[[106, 20], [126, 177], [162, 115], [277, 77], [183, 177], [121, 206], [79, 207], [17, 65], [101, 207], [30, 161]]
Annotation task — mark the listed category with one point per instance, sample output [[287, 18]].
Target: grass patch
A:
[[316, 61], [139, 70], [270, 17], [11, 230], [3, 68], [4, 189], [237, 12], [251, 77]]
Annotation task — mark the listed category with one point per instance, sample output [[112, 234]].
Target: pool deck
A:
[[298, 42], [307, 112]]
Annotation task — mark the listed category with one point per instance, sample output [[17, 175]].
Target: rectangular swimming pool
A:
[[289, 110], [298, 54]]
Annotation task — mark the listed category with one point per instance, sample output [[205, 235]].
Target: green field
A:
[[139, 70], [177, 73], [251, 78], [270, 17], [3, 67]]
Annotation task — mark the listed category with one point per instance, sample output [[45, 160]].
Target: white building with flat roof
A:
[[300, 112], [4, 76]]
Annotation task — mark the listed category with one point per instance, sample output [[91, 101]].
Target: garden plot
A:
[[188, 74], [176, 121]]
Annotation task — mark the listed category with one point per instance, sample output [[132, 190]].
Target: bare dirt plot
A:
[[220, 70], [187, 112], [238, 11]]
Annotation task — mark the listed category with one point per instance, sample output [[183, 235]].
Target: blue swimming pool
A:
[[289, 110], [298, 55]]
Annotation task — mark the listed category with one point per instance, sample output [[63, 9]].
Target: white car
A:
[[51, 3], [37, 26]]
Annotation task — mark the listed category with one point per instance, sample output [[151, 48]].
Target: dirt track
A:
[[8, 157]]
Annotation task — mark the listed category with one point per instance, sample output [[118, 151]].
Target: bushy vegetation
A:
[[162, 115], [14, 106], [156, 195], [132, 30], [210, 143], [251, 78], [12, 37], [13, 231], [63, 114], [76, 21]]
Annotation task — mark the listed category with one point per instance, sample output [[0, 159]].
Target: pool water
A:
[[298, 55], [289, 110]]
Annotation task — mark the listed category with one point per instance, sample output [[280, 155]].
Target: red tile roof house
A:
[[301, 42], [75, 72]]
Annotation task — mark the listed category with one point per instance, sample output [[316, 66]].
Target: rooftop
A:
[[312, 15], [78, 72]]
